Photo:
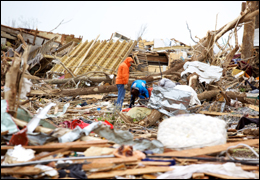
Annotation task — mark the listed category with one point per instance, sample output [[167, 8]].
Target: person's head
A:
[[134, 92], [129, 61]]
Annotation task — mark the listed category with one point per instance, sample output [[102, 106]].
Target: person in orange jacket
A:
[[122, 80]]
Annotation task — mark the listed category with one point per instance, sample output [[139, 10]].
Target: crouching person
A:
[[138, 89]]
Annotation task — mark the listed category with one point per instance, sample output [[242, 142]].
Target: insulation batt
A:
[[189, 131]]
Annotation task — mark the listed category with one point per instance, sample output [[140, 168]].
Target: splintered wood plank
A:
[[222, 176], [97, 96], [92, 165], [256, 108], [92, 142], [50, 154], [149, 176], [231, 130], [249, 168], [114, 160], [207, 150], [26, 170], [221, 114], [40, 92], [74, 146], [236, 140], [150, 163], [197, 175], [129, 172], [4, 133]]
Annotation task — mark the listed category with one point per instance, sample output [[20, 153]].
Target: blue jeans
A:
[[121, 95]]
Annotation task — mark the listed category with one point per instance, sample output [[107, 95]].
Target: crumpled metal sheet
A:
[[169, 100], [118, 136], [126, 138]]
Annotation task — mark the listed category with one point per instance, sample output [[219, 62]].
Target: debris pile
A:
[[60, 119]]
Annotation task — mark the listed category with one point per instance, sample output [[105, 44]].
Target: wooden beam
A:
[[207, 150], [171, 48], [162, 59], [114, 160], [35, 36], [27, 170], [150, 163], [221, 114], [74, 146], [138, 171], [222, 176]]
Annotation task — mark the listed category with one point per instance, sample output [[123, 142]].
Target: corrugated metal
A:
[[103, 56]]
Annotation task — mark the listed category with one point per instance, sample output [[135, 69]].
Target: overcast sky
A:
[[164, 19]]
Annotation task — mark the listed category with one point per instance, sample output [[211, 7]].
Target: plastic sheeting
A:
[[36, 119], [207, 73], [167, 83], [229, 169], [18, 154], [169, 100], [189, 131], [47, 170], [7, 122]]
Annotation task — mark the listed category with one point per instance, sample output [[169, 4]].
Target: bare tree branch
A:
[[61, 24], [142, 30], [190, 33], [57, 26]]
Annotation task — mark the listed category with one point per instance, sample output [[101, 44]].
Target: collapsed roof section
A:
[[102, 56], [36, 37]]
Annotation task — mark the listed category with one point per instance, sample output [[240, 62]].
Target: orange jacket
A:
[[123, 71]]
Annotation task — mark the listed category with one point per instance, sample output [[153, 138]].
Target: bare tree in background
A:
[[190, 32], [142, 30], [29, 23], [21, 22]]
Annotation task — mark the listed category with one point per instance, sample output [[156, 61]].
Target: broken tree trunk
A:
[[77, 79], [248, 35], [97, 89], [228, 59], [172, 70], [151, 118], [203, 50], [207, 95], [241, 97], [11, 85], [200, 48], [126, 118], [20, 80]]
